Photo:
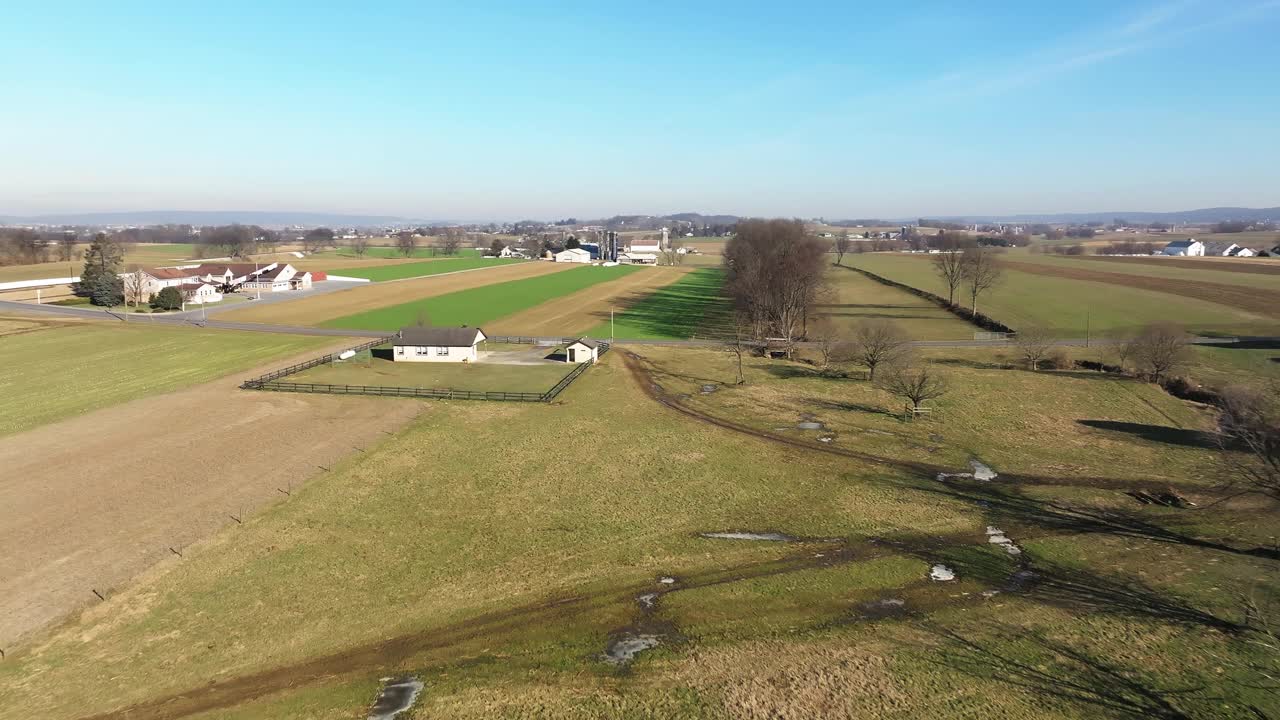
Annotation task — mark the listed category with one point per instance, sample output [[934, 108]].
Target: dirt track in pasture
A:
[[94, 501], [371, 296], [1255, 300], [579, 312]]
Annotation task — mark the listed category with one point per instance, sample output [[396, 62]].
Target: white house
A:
[[1220, 249], [278, 278], [511, 252], [573, 255], [199, 293], [437, 344], [1242, 252], [229, 274], [1184, 248], [582, 350], [636, 258]]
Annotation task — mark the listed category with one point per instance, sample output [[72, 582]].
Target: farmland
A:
[[499, 578], [1065, 299], [857, 298], [114, 363], [480, 305], [372, 296], [400, 271], [580, 312], [688, 308], [139, 254]]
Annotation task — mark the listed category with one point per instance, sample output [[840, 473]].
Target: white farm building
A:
[[573, 255], [437, 344], [1184, 248]]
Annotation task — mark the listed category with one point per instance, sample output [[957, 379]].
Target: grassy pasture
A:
[[1261, 274], [1069, 304], [467, 550], [480, 305], [400, 271], [688, 308], [856, 297], [54, 373], [493, 377]]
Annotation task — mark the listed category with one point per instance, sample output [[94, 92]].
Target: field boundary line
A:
[[984, 322]]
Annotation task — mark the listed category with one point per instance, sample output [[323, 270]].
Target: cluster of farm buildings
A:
[[208, 282], [459, 344], [643, 252], [1196, 248]]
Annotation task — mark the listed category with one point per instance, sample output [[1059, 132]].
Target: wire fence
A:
[[271, 382]]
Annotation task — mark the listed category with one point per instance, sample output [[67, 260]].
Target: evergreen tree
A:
[[106, 289], [169, 298], [103, 258]]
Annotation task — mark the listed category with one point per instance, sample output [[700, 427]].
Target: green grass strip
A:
[[483, 304], [420, 269], [675, 312]]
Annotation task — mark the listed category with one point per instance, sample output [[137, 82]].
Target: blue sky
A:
[[508, 110]]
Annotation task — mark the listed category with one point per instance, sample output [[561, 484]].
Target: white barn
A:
[[1184, 248], [637, 258], [437, 344], [573, 255]]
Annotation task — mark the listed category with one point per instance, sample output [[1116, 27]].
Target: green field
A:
[[483, 304], [62, 371], [856, 298], [476, 552], [1072, 307], [479, 376], [690, 307], [400, 271]]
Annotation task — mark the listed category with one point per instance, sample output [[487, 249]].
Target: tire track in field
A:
[[1255, 300]]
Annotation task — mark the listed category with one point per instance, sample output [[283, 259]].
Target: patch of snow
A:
[[982, 472], [941, 573], [395, 698], [766, 536], [624, 649]]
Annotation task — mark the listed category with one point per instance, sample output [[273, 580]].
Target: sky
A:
[[508, 110]]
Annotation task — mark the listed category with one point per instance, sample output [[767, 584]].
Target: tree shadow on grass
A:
[[1049, 668], [1154, 433], [844, 406], [973, 364], [787, 371]]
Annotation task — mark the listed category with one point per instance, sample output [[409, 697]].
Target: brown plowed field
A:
[[1262, 302], [371, 296], [583, 310], [94, 501], [1248, 265]]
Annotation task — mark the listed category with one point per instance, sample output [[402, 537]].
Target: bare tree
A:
[[1160, 349], [317, 239], [825, 338], [135, 284], [1122, 351], [878, 342], [949, 266], [775, 271], [360, 246], [671, 253], [915, 382], [1034, 343], [981, 272], [1249, 440], [406, 242], [841, 246], [66, 246], [740, 344], [452, 240]]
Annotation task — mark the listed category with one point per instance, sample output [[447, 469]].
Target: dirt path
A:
[[1251, 299], [1252, 266], [93, 501], [579, 312], [371, 296]]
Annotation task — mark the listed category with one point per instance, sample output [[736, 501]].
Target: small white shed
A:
[[582, 350], [573, 255], [437, 344]]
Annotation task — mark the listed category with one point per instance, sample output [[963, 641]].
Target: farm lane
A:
[[117, 498]]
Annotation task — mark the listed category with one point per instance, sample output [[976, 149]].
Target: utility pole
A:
[[611, 325], [1086, 327]]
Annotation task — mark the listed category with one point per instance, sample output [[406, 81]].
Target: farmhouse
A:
[[574, 255], [279, 278], [437, 344], [511, 252], [582, 350], [153, 281], [1240, 251], [199, 293], [638, 258], [1184, 248], [231, 274]]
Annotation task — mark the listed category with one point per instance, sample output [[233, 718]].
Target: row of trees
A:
[[21, 246], [975, 269]]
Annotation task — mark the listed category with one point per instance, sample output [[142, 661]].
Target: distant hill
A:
[[653, 222], [208, 217], [1194, 217]]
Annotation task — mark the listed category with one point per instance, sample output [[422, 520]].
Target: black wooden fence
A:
[[271, 381]]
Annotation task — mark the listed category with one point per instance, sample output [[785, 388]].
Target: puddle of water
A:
[[809, 425], [941, 573], [396, 697], [982, 472], [883, 609], [623, 649], [766, 536], [667, 580], [647, 600], [708, 389], [996, 536]]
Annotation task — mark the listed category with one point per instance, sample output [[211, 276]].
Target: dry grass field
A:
[[1255, 266], [137, 254], [132, 481], [373, 296], [579, 312], [856, 297]]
